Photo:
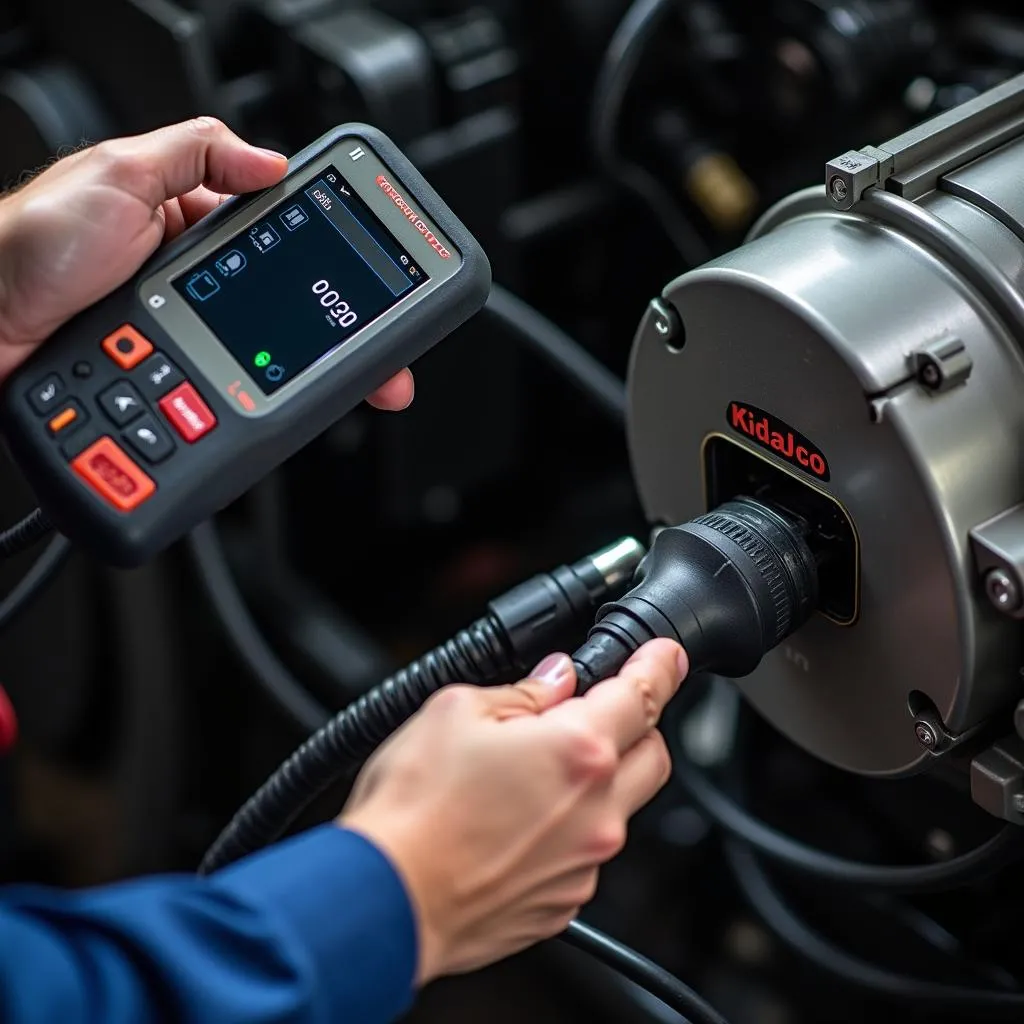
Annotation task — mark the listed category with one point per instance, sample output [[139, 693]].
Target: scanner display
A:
[[304, 279]]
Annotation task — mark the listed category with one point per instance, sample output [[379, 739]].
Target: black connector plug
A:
[[729, 586], [552, 611]]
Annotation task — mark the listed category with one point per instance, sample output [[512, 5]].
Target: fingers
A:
[[627, 707], [396, 395], [175, 160], [550, 683], [195, 205], [642, 774]]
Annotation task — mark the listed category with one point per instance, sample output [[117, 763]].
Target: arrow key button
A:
[[122, 403]]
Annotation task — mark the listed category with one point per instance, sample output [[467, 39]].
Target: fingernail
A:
[[684, 664], [553, 670], [274, 153]]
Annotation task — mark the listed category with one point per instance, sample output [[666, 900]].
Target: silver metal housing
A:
[[818, 320]]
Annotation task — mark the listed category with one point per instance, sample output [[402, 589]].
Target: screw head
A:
[[837, 188], [926, 735], [1002, 591], [930, 375], [1018, 802]]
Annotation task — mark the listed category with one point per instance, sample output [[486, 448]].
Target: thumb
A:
[[551, 682], [179, 158]]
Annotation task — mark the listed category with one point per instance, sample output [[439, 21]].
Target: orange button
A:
[[127, 347], [62, 419], [113, 475]]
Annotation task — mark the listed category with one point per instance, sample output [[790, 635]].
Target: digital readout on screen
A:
[[303, 280]]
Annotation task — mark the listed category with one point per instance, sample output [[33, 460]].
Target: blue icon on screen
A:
[[294, 218], [264, 237], [202, 286], [275, 373], [232, 263]]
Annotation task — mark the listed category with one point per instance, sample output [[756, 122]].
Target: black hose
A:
[[29, 587], [820, 951], [647, 974], [767, 841], [476, 656], [252, 649], [555, 347], [26, 534], [637, 29]]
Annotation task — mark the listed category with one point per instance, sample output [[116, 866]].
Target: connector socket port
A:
[[732, 470]]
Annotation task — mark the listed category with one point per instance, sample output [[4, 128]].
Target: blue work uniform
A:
[[317, 929]]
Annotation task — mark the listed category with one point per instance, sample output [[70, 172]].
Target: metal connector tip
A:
[[618, 562]]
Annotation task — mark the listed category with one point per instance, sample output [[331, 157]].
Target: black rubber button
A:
[[149, 439], [122, 403], [45, 395], [157, 376]]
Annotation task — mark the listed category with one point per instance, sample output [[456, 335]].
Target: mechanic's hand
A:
[[498, 806], [88, 222]]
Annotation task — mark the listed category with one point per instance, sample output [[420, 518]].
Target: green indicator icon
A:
[[262, 359]]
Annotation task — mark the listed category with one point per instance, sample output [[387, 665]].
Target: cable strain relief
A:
[[612, 642], [535, 618], [586, 573], [583, 587]]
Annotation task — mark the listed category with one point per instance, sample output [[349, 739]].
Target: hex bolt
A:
[[837, 188], [1002, 591], [926, 735]]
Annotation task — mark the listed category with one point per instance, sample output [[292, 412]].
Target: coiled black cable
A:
[[820, 951], [28, 588], [476, 655], [561, 351], [640, 26], [647, 974], [250, 647], [26, 534], [734, 819]]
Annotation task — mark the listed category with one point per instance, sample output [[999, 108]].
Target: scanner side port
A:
[[732, 470]]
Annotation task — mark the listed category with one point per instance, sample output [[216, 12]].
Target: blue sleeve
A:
[[318, 929]]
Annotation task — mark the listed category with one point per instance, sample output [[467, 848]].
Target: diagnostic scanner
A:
[[239, 343]]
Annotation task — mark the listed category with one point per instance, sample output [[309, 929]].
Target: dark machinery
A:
[[848, 356]]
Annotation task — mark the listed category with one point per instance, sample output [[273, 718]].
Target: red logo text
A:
[[413, 217], [777, 437]]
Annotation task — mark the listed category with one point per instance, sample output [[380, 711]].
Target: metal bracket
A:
[[997, 779], [932, 734], [999, 552], [942, 364], [912, 163]]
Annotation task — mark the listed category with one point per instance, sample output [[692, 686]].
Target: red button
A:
[[127, 347], [188, 413], [113, 475]]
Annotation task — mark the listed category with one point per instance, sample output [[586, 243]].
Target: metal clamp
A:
[[942, 364], [999, 552], [912, 164], [932, 734], [997, 779]]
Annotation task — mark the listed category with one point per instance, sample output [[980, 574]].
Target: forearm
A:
[[318, 929]]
